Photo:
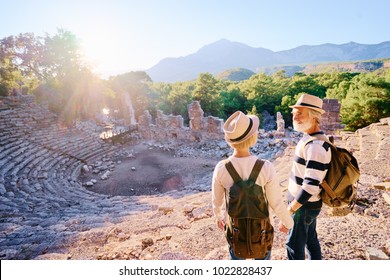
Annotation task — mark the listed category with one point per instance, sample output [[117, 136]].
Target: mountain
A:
[[333, 53], [235, 74], [224, 54], [212, 58], [359, 66]]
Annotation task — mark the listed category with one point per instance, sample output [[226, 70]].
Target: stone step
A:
[[10, 148], [368, 144], [383, 134], [24, 159]]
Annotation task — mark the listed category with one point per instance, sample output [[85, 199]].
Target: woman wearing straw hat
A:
[[241, 133], [309, 168]]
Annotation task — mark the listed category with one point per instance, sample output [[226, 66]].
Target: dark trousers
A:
[[304, 235]]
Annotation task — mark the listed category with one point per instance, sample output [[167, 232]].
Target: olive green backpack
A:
[[248, 229], [339, 188]]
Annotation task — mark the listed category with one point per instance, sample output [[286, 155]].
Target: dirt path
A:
[[152, 171]]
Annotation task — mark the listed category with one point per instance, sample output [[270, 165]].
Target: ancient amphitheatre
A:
[[67, 194]]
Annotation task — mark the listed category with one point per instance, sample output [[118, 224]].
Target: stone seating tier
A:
[[40, 162]]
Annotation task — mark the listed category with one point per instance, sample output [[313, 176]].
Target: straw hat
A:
[[309, 101], [239, 127]]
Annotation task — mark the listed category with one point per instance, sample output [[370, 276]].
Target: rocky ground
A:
[[65, 194], [178, 222]]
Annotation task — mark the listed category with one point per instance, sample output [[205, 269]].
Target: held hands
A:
[[293, 207], [221, 225], [282, 228]]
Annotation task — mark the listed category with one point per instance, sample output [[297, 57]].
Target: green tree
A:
[[338, 91], [233, 100], [159, 93], [180, 97], [330, 80], [62, 58], [66, 74], [285, 110], [16, 56], [136, 84], [262, 93], [207, 92], [67, 82], [367, 100], [306, 83]]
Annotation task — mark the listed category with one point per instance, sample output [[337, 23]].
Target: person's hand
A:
[[293, 206], [283, 228], [290, 211], [221, 225]]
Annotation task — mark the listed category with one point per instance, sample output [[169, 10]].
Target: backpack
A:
[[339, 187], [248, 229]]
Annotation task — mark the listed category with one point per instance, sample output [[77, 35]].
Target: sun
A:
[[101, 51], [111, 50], [96, 49]]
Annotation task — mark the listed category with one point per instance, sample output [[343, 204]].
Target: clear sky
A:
[[127, 35]]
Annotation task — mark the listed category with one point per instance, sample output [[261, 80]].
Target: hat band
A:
[[308, 105], [245, 133]]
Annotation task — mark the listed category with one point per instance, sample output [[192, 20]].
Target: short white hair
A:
[[315, 115]]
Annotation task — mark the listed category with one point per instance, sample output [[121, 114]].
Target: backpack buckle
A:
[[336, 202], [351, 205]]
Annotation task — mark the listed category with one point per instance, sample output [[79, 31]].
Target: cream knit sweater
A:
[[222, 182]]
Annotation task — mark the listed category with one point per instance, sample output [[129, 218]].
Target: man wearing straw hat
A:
[[309, 168], [241, 133]]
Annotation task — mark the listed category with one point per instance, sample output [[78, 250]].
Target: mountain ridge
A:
[[223, 54]]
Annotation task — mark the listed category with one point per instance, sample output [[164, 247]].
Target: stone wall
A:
[[280, 124], [330, 121], [203, 128], [172, 127], [168, 127]]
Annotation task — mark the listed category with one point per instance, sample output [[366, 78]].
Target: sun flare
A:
[[101, 50], [96, 49]]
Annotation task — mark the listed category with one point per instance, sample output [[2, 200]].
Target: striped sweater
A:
[[309, 169]]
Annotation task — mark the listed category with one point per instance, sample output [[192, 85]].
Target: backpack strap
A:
[[256, 170], [253, 176], [318, 137], [328, 189], [232, 171], [324, 184]]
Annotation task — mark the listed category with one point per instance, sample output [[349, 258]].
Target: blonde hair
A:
[[251, 141]]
